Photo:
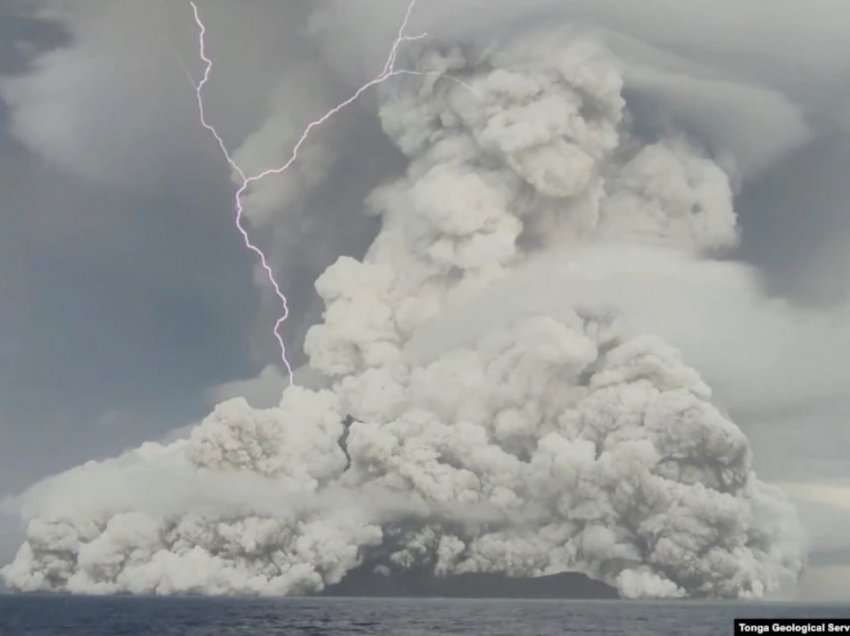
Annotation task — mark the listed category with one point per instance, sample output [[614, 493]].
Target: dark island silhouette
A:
[[365, 581]]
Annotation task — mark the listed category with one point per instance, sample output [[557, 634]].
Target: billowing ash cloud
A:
[[536, 445]]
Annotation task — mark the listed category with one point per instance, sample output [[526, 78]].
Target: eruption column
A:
[[246, 180]]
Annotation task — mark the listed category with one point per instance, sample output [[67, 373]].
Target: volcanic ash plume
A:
[[537, 445]]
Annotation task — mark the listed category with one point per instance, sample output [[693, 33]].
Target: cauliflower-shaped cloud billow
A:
[[539, 444]]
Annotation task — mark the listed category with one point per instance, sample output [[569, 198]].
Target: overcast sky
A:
[[129, 306]]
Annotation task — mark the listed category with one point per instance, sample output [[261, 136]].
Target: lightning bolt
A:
[[245, 180]]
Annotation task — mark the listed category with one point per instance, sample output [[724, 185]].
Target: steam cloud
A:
[[539, 444]]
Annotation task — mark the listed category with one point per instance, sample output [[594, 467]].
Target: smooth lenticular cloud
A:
[[545, 439], [709, 309]]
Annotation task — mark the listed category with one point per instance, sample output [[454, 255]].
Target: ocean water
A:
[[112, 616]]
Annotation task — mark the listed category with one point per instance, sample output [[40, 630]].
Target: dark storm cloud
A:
[[23, 34], [796, 222]]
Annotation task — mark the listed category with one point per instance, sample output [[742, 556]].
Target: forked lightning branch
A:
[[246, 180]]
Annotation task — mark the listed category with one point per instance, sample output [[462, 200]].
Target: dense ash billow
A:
[[539, 445]]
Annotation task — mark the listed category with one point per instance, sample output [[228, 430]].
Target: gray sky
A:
[[105, 310], [127, 298]]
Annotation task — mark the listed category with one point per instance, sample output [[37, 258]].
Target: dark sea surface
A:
[[108, 616]]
